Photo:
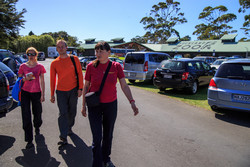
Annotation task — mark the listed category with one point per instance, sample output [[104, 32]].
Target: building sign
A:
[[195, 45]]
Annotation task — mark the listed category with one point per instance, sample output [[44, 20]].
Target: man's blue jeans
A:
[[102, 121], [67, 104]]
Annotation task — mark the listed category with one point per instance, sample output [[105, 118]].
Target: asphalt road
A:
[[166, 133]]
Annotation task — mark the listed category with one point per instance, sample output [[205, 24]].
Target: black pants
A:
[[67, 104], [102, 121], [34, 98]]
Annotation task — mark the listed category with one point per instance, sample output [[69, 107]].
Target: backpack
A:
[[16, 91]]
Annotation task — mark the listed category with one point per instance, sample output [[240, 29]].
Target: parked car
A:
[[11, 76], [41, 56], [141, 65], [116, 60], [86, 60], [217, 63], [230, 87], [10, 60], [207, 59], [5, 99], [22, 55], [20, 60], [178, 56], [183, 73]]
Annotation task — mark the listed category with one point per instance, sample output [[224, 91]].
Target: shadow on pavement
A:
[[234, 117], [6, 142], [39, 157], [78, 154]]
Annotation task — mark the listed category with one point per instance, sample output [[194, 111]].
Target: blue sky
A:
[[105, 20]]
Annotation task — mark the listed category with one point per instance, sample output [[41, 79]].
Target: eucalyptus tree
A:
[[139, 39], [245, 4], [161, 21], [186, 38], [10, 22], [71, 41], [215, 23]]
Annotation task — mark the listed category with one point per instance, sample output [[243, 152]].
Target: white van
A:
[[52, 52], [141, 65]]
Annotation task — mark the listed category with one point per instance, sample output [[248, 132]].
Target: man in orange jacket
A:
[[67, 92]]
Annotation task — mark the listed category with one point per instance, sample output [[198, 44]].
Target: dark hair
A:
[[102, 46]]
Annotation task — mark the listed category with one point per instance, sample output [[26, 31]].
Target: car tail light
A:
[[155, 73], [146, 66], [184, 76], [8, 85], [212, 84]]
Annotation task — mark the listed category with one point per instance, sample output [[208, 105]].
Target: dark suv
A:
[[183, 73], [5, 100]]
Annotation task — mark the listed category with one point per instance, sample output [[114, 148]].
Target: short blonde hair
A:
[[32, 48], [61, 40]]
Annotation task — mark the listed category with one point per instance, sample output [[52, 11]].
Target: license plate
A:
[[242, 98], [167, 76], [131, 74]]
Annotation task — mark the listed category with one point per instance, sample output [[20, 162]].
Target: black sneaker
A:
[[29, 145], [62, 141], [109, 164]]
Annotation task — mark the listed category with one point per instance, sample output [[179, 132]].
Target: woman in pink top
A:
[[32, 92]]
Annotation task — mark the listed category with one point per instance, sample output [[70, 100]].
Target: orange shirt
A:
[[64, 69]]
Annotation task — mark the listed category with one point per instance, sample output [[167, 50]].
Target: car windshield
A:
[[157, 57], [217, 62], [172, 65], [4, 68], [234, 71], [200, 58], [135, 58], [4, 54]]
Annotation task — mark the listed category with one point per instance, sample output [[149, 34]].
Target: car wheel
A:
[[214, 108], [194, 88], [162, 89], [131, 81]]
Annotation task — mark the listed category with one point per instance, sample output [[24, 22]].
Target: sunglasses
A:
[[31, 54]]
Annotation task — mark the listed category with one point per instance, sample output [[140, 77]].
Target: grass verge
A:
[[198, 100]]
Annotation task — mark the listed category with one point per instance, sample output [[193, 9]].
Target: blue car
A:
[[230, 87], [5, 99], [11, 76]]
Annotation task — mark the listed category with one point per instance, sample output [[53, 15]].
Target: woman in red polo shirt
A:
[[102, 118]]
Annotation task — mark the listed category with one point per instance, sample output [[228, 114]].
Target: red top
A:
[[32, 85], [95, 75], [65, 71]]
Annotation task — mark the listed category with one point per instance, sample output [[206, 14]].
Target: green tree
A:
[[186, 38], [71, 41], [31, 33], [245, 4], [215, 23], [41, 43], [139, 39], [161, 21], [10, 22]]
